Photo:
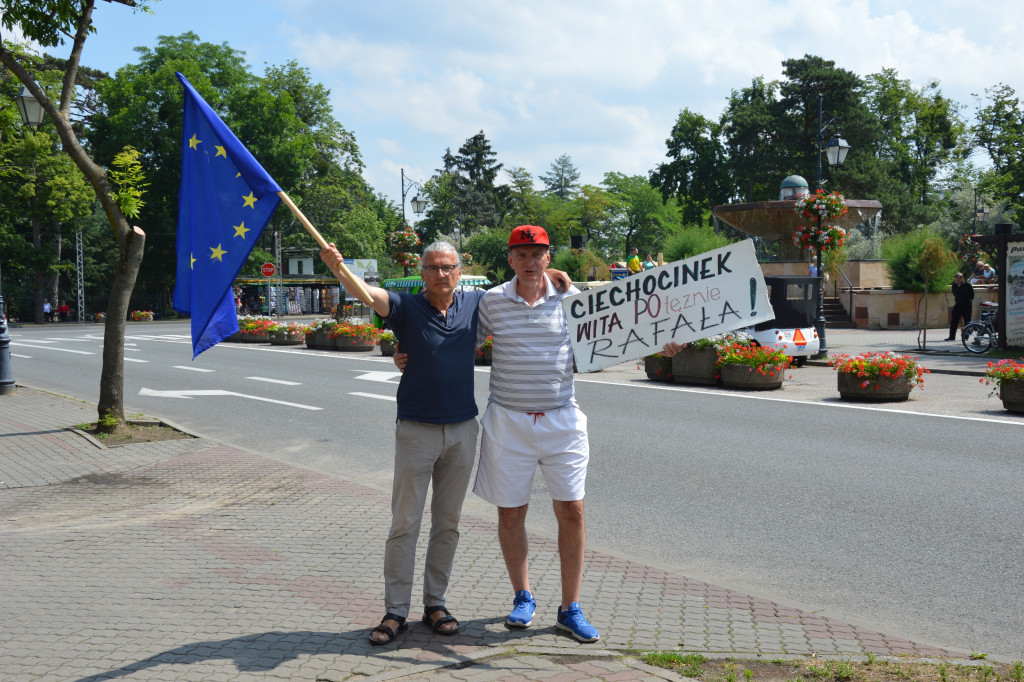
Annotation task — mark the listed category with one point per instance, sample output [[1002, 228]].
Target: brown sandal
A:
[[391, 634], [443, 620]]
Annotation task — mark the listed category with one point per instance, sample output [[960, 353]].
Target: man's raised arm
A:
[[333, 259]]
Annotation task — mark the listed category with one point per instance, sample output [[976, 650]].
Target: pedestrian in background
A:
[[963, 298]]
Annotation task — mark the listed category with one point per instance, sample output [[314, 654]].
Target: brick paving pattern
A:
[[192, 560]]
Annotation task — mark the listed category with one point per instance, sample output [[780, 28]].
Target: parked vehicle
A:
[[794, 300]]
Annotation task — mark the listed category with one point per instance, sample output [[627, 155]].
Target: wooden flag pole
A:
[[344, 274]]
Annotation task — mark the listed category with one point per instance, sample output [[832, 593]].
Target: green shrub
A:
[[489, 248], [908, 265], [691, 240], [580, 263]]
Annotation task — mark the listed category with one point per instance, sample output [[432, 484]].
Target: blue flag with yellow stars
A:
[[225, 201]]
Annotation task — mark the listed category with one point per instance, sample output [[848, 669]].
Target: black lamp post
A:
[[835, 151], [32, 116], [980, 215], [418, 205]]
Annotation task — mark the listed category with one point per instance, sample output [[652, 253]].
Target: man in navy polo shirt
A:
[[436, 431]]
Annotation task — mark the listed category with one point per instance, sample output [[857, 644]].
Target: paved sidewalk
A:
[[194, 560]]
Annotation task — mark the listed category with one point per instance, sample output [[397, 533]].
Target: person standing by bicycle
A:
[[963, 302]]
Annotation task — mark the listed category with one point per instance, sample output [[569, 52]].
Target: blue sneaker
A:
[[573, 621], [522, 610]]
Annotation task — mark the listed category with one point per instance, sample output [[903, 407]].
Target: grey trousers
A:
[[441, 454]]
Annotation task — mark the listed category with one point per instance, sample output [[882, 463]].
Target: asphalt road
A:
[[901, 518]]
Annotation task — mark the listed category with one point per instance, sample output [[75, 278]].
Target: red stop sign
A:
[[268, 269]]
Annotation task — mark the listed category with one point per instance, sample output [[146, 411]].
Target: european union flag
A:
[[225, 201]]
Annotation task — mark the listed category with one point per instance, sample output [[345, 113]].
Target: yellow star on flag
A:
[[192, 265], [193, 143], [250, 201], [217, 253], [240, 230], [220, 151]]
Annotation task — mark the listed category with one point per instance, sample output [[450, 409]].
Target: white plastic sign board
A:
[[689, 299]]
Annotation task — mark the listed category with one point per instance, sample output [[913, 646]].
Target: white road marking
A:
[[382, 377], [374, 395], [134, 360], [15, 355], [801, 402], [79, 340], [275, 381], [61, 350], [46, 341], [187, 395], [193, 369]]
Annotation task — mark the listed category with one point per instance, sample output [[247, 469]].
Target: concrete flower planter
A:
[[874, 389], [658, 368], [352, 344], [1011, 392], [283, 339], [387, 349], [695, 366], [750, 378]]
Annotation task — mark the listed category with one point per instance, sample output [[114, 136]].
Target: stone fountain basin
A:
[[778, 219]]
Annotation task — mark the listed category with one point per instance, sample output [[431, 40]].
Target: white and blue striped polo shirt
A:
[[531, 369]]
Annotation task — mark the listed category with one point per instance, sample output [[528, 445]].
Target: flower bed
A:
[[142, 315], [286, 333], [744, 364], [877, 376], [354, 336], [1007, 379], [255, 329]]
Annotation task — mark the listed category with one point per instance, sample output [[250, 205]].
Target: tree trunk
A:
[[38, 281], [112, 377]]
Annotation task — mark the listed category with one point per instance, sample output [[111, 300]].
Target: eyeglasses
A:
[[434, 269]]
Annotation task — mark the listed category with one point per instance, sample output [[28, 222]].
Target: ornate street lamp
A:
[[418, 205], [835, 151], [32, 116], [980, 215], [31, 110]]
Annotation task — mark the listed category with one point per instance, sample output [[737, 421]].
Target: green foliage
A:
[[489, 248], [691, 240], [688, 665], [914, 259], [582, 265], [638, 216], [129, 181], [563, 180]]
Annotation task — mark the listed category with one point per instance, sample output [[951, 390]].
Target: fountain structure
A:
[[776, 220]]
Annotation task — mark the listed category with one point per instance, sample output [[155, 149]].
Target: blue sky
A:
[[600, 80]]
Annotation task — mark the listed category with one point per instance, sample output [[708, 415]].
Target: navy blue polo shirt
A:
[[437, 385]]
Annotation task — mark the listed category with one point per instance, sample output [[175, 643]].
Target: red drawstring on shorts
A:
[[535, 415]]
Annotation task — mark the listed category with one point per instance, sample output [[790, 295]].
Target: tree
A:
[[563, 180], [49, 22], [1000, 132], [483, 204], [697, 175], [639, 216]]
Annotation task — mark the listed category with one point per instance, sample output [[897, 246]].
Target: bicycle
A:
[[980, 335]]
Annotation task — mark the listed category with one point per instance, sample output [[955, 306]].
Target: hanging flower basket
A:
[[826, 238], [827, 206]]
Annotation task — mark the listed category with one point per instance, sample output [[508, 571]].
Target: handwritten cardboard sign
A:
[[690, 299]]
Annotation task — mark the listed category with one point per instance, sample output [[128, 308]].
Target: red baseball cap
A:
[[528, 235]]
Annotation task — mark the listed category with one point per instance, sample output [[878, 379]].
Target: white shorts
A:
[[515, 443]]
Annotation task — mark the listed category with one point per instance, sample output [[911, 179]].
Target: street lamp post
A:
[[980, 215], [835, 151], [457, 233], [32, 116], [418, 205]]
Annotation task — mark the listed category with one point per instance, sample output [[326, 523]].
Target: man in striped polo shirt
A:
[[532, 420]]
